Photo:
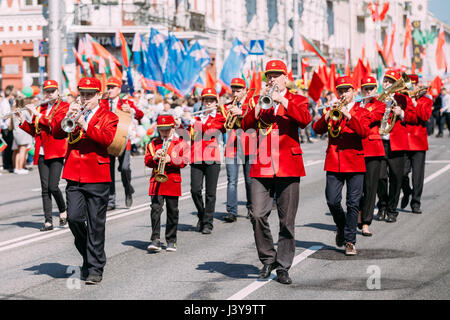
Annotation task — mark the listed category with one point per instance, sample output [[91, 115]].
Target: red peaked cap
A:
[[392, 74], [89, 84], [49, 84], [113, 81], [276, 66], [414, 78], [165, 120], [344, 81], [238, 82], [368, 81], [209, 92]]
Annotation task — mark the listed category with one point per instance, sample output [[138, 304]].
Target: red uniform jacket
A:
[[138, 114], [179, 157], [373, 145], [204, 138], [87, 160], [279, 153], [345, 152], [53, 148], [399, 135], [247, 140], [417, 133]]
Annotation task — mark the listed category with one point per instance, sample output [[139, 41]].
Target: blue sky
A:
[[440, 9]]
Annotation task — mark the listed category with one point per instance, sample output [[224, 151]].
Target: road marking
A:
[[437, 161], [259, 283], [436, 174], [113, 215]]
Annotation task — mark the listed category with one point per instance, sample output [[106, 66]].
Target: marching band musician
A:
[[87, 173], [373, 153], [418, 145], [238, 148], [112, 97], [344, 162], [205, 158], [277, 168], [177, 157], [395, 144], [49, 152]]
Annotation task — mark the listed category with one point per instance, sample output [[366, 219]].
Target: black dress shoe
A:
[[128, 200], [340, 237], [417, 210], [206, 230], [93, 279], [405, 200], [390, 217], [381, 214], [283, 277], [199, 226], [46, 227], [266, 270], [229, 217]]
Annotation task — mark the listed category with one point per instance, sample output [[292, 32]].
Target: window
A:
[[361, 24]]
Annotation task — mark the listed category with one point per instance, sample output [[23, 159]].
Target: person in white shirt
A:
[[445, 109]]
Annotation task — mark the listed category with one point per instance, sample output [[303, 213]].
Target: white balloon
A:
[[141, 131], [27, 81]]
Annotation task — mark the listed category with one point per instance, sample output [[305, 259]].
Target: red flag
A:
[[290, 76], [210, 81], [408, 37], [322, 73], [368, 68], [435, 87], [390, 53], [316, 87], [332, 78], [384, 11], [79, 61], [441, 61], [413, 69], [91, 67], [258, 83]]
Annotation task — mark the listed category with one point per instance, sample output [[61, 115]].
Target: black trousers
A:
[[8, 136], [172, 217], [391, 175], [209, 172], [371, 178], [125, 174], [50, 174], [414, 163], [288, 193], [333, 194], [86, 214]]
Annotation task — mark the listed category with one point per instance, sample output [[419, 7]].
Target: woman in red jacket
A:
[[177, 157], [205, 131], [49, 152]]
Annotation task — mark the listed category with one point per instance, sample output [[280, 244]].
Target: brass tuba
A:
[[387, 97]]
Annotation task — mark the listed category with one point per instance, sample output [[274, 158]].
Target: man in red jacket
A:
[[112, 98], [373, 153], [177, 157], [395, 144], [49, 152], [87, 173], [239, 147], [418, 145], [276, 168], [344, 162]]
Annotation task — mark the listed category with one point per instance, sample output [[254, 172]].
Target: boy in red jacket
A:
[[168, 189]]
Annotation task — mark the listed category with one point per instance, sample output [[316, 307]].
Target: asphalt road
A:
[[409, 259]]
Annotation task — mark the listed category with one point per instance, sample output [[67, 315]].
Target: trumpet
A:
[[19, 110], [232, 120], [266, 101], [336, 115], [68, 124], [160, 176]]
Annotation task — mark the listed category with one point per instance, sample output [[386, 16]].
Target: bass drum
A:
[[119, 143]]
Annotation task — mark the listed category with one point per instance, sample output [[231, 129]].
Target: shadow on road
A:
[[25, 224], [321, 226], [54, 270], [231, 270], [138, 244]]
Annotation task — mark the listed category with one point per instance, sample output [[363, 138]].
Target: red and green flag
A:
[[308, 45]]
